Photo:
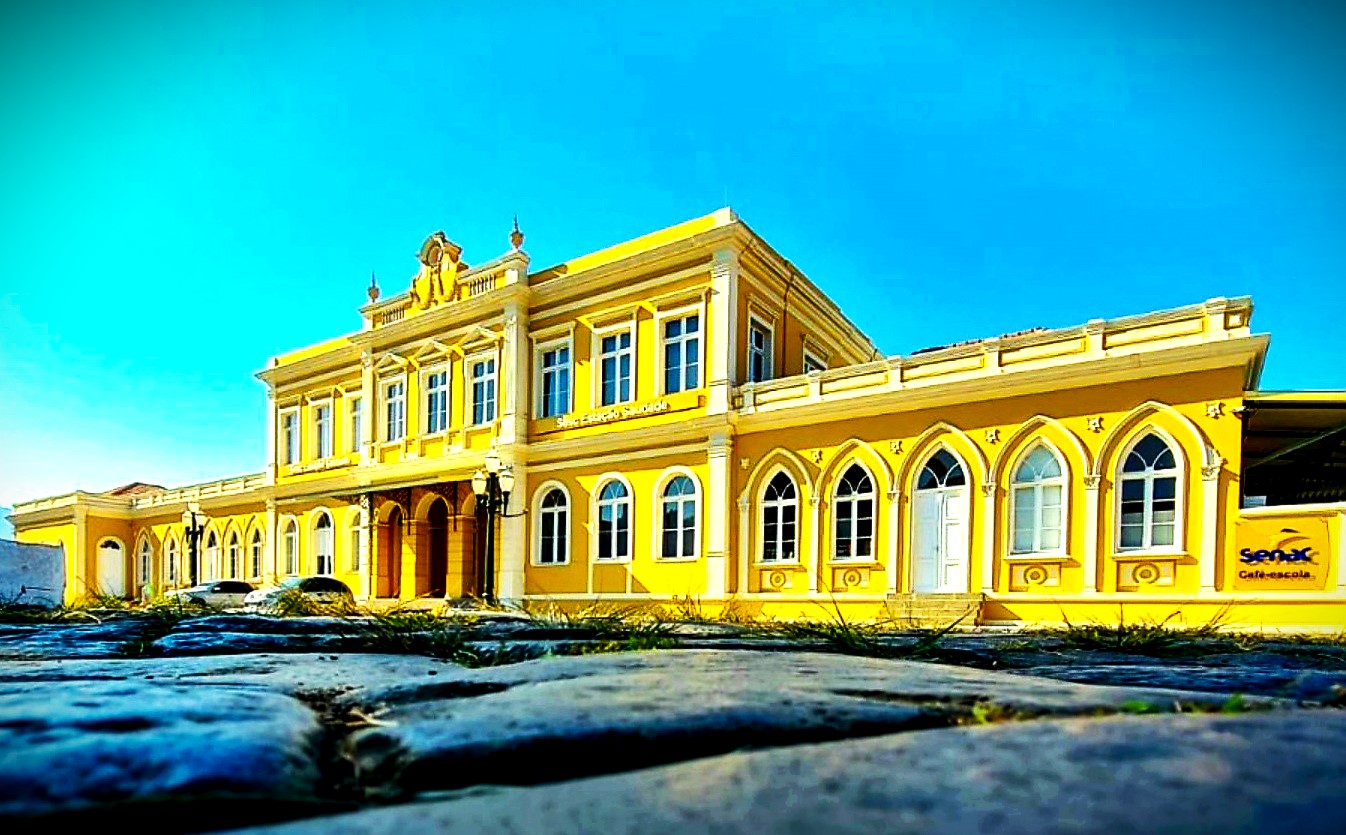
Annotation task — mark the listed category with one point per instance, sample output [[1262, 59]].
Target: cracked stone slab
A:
[[1268, 773], [636, 710], [75, 639]]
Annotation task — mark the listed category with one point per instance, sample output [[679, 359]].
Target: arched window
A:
[[678, 519], [853, 513], [212, 567], [143, 564], [353, 558], [1037, 496], [291, 548], [942, 470], [780, 513], [614, 522], [323, 544], [553, 528], [255, 555], [171, 563], [235, 553], [1149, 495]]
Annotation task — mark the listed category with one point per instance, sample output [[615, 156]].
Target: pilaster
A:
[[270, 434], [1210, 521], [1091, 511], [512, 556], [411, 531], [271, 553], [515, 365], [365, 539], [815, 567], [369, 405], [988, 495], [719, 507], [722, 348], [894, 537]]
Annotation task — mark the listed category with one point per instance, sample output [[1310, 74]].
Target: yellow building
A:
[[685, 415]]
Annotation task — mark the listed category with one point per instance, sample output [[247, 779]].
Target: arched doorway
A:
[[390, 555], [111, 568], [437, 536], [940, 533]]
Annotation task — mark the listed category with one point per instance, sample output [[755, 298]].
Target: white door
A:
[[111, 570], [941, 540]]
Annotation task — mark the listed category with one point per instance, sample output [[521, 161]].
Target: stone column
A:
[[745, 543], [410, 535], [271, 452], [366, 546], [1092, 509], [718, 511], [721, 346]]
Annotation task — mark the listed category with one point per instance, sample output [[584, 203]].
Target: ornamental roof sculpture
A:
[[437, 279]]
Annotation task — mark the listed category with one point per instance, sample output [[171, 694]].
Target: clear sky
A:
[[189, 188]]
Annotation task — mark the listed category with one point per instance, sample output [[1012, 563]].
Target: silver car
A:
[[319, 590], [220, 594]]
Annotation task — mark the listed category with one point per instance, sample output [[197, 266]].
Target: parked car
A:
[[220, 594], [318, 590]]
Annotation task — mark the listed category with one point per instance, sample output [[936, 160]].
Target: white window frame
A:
[[144, 563], [355, 408], [210, 558], [1179, 473], [289, 540], [289, 447], [595, 508], [760, 533], [321, 432], [171, 566], [812, 358], [470, 390], [661, 320], [657, 546], [853, 500], [769, 360], [385, 426], [1014, 487], [447, 390], [256, 554], [538, 512], [318, 543], [539, 374], [599, 334], [353, 536]]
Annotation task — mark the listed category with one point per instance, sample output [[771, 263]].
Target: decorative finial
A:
[[373, 288], [516, 237]]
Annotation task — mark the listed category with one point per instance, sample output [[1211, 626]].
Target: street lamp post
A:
[[492, 484], [193, 525]]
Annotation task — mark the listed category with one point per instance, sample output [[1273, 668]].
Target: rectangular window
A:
[[759, 352], [682, 354], [812, 363], [483, 391], [353, 558], [395, 411], [289, 438], [322, 429], [437, 401], [357, 409], [615, 361], [556, 381]]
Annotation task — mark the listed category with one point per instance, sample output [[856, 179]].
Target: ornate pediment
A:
[[437, 279]]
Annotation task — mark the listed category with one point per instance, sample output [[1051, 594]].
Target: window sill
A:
[[1141, 556], [1045, 556], [677, 559], [536, 564], [853, 562], [610, 561], [778, 564]]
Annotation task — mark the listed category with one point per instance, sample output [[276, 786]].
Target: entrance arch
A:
[[941, 529], [435, 581], [111, 568]]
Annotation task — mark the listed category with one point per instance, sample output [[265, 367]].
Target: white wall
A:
[[31, 574]]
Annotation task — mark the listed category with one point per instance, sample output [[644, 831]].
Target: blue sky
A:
[[189, 188]]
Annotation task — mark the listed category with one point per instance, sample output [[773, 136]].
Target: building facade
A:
[[687, 417]]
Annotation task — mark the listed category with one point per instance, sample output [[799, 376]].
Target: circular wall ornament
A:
[[850, 577], [1146, 572], [776, 579], [1035, 575]]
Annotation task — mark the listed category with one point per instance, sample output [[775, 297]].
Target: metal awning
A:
[[1294, 446]]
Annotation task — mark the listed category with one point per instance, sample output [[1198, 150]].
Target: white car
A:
[[220, 594], [325, 591]]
